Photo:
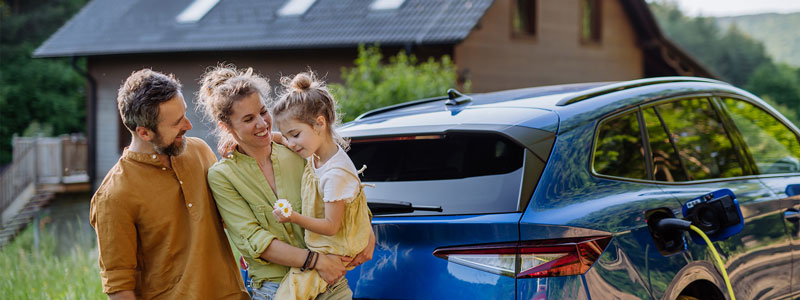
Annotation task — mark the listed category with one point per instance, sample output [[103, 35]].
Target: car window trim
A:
[[657, 101], [645, 138], [766, 110], [736, 137], [727, 125], [769, 110], [671, 142], [596, 133]]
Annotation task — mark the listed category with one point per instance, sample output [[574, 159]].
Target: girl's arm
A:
[[334, 212]]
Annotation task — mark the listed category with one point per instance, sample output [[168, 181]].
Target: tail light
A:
[[530, 259]]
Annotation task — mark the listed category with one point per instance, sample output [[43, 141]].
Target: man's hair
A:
[[139, 96]]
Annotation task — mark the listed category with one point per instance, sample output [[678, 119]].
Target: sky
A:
[[718, 8]]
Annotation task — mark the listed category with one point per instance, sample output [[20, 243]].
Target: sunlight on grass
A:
[[29, 274]]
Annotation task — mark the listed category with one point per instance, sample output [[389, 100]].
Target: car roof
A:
[[544, 107]]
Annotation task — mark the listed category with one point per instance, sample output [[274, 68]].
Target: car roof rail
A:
[[453, 97], [619, 86]]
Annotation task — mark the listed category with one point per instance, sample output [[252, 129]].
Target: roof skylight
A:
[[295, 7], [385, 4], [195, 11]]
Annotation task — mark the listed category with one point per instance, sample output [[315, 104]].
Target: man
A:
[[158, 230]]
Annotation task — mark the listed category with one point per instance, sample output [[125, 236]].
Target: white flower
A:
[[284, 206]]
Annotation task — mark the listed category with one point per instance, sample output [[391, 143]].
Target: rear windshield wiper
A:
[[398, 207]]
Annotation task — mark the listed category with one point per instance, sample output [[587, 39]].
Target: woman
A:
[[254, 173]]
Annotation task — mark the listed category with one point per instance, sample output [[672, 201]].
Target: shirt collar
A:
[[237, 156], [146, 158]]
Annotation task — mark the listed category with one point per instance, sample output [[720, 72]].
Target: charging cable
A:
[[673, 223], [716, 257]]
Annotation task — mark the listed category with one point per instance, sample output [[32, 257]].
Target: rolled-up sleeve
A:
[[116, 243], [249, 237]]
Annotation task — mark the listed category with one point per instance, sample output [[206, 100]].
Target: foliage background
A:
[[777, 31], [372, 83], [41, 95], [735, 55]]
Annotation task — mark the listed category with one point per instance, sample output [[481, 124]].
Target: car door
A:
[[693, 154], [774, 148]]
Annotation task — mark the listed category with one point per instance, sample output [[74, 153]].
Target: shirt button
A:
[[163, 169], [155, 156], [180, 181], [190, 205]]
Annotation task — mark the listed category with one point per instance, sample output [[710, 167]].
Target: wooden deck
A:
[[41, 168]]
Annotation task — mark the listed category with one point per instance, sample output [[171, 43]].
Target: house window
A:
[[295, 8], [196, 11], [590, 20], [386, 4], [524, 18]]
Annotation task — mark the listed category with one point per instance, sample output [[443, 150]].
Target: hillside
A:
[[779, 32]]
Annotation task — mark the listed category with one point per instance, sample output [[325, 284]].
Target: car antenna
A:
[[455, 97]]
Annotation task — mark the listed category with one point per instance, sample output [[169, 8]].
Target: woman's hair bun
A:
[[216, 77], [301, 81]]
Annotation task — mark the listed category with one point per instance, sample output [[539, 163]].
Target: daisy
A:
[[284, 206]]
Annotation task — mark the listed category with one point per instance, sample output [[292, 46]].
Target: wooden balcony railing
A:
[[43, 160]]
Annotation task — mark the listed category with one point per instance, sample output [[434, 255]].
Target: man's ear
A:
[[145, 134]]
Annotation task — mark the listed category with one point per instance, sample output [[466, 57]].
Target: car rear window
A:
[[463, 173]]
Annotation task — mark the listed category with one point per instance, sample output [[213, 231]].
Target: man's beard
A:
[[173, 149]]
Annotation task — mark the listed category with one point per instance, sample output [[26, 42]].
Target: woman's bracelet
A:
[[316, 258], [309, 256]]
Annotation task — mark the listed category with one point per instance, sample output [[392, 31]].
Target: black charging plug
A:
[[673, 224], [662, 224]]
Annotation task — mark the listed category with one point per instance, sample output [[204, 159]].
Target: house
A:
[[499, 44]]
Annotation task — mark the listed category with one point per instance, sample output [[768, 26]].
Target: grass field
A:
[[50, 273], [45, 274]]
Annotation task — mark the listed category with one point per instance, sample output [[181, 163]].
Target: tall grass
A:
[[48, 273]]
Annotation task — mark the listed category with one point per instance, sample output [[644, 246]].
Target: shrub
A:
[[372, 84]]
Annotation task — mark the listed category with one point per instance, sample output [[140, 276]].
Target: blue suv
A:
[[544, 193]]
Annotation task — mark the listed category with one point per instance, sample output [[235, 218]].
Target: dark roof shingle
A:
[[147, 26]]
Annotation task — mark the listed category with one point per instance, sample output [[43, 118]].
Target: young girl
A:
[[334, 212]]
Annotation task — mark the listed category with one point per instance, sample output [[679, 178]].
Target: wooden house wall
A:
[[495, 59]]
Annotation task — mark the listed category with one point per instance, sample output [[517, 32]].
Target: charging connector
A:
[[668, 226]]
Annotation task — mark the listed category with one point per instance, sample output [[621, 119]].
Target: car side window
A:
[[619, 151], [703, 146], [666, 164], [773, 146]]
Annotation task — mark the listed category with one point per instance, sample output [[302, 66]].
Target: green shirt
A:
[[245, 201]]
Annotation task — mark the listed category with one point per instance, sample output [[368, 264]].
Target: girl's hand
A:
[[365, 254], [280, 217]]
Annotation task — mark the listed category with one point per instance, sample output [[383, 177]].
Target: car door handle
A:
[[791, 214]]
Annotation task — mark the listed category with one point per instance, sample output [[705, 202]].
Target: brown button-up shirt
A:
[[159, 232]]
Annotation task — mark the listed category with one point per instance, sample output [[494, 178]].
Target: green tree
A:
[[735, 56], [780, 86], [47, 92], [372, 84], [731, 54]]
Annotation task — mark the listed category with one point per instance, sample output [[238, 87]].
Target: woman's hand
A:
[[365, 254], [330, 267], [280, 217]]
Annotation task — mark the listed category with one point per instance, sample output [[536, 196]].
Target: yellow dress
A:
[[351, 239]]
